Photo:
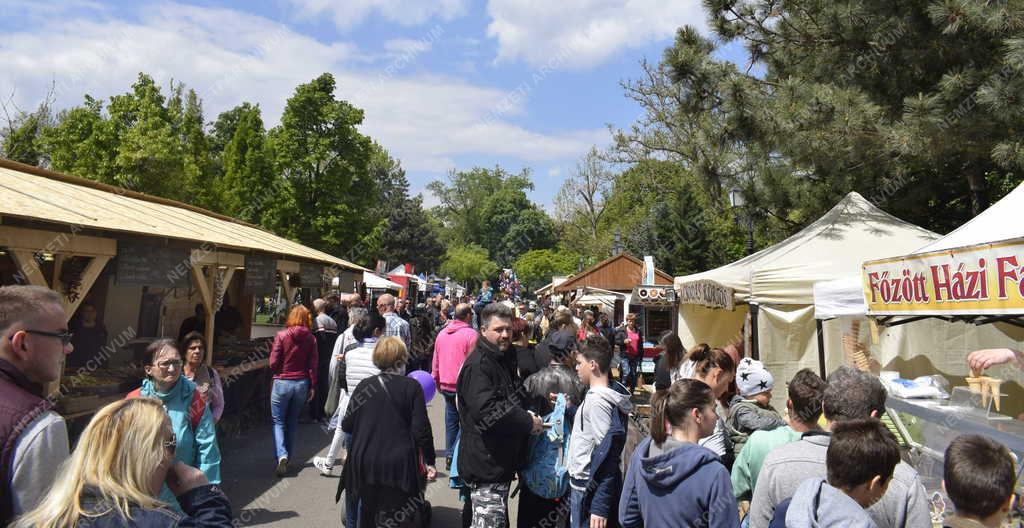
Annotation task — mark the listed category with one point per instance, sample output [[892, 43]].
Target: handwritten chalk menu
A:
[[260, 274], [312, 275], [152, 265]]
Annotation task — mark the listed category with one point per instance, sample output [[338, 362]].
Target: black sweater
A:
[[389, 429]]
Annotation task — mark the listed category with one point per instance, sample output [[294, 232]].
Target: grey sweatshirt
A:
[[591, 424], [38, 454], [816, 504], [904, 505]]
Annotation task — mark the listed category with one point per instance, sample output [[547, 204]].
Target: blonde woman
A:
[[391, 437], [113, 478]]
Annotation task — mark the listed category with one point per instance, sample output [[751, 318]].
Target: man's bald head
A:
[[464, 312], [386, 303]]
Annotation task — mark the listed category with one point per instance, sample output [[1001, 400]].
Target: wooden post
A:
[[207, 283], [204, 286]]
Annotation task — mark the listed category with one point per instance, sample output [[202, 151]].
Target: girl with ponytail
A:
[[673, 481]]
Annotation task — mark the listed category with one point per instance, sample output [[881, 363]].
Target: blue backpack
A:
[[547, 472]]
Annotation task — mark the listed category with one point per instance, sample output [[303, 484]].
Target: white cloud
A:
[[350, 13], [554, 172], [587, 32], [427, 121]]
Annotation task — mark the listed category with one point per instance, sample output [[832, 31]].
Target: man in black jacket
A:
[[495, 424]]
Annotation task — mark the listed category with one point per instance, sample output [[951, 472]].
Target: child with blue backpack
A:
[[598, 436], [554, 393]]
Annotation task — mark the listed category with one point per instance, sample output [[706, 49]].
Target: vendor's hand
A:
[[538, 425], [431, 473], [980, 360], [553, 398], [312, 394], [182, 478], [598, 522]]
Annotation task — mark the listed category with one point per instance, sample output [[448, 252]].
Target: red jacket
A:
[[294, 355]]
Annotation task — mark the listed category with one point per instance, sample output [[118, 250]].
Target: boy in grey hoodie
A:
[[593, 456], [861, 460]]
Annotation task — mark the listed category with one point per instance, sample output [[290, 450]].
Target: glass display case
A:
[[927, 426]]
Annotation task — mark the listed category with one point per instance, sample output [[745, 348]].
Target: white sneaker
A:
[[323, 465], [282, 466]]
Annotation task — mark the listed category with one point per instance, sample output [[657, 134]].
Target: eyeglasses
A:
[[172, 444], [65, 336], [167, 365]]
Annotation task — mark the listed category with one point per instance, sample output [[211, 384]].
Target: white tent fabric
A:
[[780, 280], [375, 282], [839, 298], [999, 222], [833, 246]]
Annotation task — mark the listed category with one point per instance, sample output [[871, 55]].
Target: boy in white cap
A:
[[751, 409]]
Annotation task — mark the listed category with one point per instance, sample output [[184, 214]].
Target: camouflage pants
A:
[[490, 505]]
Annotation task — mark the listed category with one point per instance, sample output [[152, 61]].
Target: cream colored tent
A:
[[776, 285]]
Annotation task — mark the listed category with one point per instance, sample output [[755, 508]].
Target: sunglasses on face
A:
[[64, 336], [172, 444]]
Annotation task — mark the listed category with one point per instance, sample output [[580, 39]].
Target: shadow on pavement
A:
[[247, 470]]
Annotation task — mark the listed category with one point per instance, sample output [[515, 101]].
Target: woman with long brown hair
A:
[[672, 480], [293, 362], [716, 369]]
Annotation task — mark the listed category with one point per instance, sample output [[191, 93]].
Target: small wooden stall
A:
[[609, 284], [149, 268]]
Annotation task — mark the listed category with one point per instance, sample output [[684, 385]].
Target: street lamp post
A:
[[737, 201]]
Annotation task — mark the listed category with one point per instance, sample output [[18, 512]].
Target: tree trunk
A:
[[979, 198]]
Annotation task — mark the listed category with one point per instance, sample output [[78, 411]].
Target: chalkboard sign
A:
[[312, 275], [260, 274], [152, 265]]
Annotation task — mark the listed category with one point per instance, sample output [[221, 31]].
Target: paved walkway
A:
[[304, 498]]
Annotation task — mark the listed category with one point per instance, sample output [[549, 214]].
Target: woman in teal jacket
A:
[[191, 419]]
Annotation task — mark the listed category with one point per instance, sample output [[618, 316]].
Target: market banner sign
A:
[[654, 295], [707, 293], [986, 279]]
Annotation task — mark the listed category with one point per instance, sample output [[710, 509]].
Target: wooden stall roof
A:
[[41, 195], [620, 273]]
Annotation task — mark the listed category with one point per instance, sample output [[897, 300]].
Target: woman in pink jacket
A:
[[452, 345]]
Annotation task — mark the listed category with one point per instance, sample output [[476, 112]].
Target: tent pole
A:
[[754, 351], [821, 348]]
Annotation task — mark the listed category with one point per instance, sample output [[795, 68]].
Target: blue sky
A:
[[448, 84]]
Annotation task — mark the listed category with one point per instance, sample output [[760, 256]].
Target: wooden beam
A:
[[38, 240], [287, 266], [28, 268], [89, 275], [226, 281], [216, 258]]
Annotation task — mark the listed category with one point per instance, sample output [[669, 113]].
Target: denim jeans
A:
[[286, 400], [578, 518], [351, 501], [451, 421], [631, 370]]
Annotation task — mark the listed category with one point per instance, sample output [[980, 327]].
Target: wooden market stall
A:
[[149, 267]]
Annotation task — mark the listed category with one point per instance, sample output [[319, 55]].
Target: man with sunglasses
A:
[[33, 438]]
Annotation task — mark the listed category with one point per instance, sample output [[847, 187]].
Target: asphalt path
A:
[[304, 498]]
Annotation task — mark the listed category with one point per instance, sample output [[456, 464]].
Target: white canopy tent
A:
[[376, 282], [947, 324], [776, 284]]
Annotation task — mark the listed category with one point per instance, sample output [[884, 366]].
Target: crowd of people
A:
[[531, 397]]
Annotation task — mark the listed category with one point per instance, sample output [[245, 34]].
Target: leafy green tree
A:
[[536, 267], [199, 179], [328, 196], [490, 208], [465, 198], [21, 138], [469, 264], [248, 178]]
